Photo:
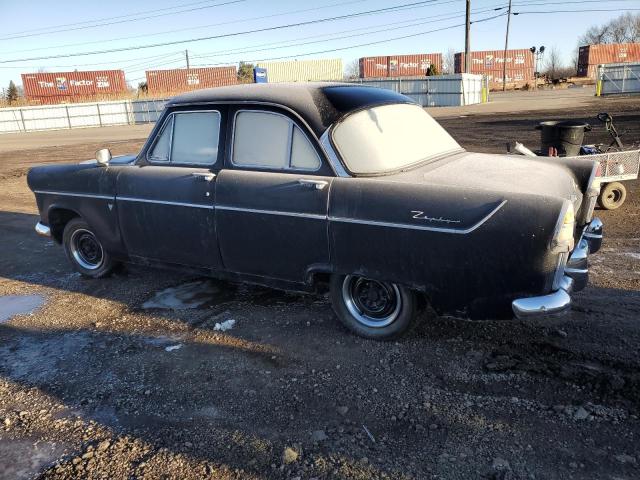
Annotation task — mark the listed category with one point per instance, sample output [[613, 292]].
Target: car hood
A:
[[500, 173], [119, 160]]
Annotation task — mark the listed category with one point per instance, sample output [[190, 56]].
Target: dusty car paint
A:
[[477, 243]]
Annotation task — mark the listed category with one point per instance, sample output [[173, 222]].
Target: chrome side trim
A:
[[271, 212], [72, 194], [331, 154], [462, 231], [164, 202], [43, 230]]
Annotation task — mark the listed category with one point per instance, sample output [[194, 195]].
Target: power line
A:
[[110, 18], [450, 16], [230, 2], [165, 32], [579, 11], [367, 44], [234, 34], [377, 42], [554, 2]]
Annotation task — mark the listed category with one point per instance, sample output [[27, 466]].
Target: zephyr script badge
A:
[[421, 216]]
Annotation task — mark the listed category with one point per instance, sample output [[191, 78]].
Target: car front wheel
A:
[[372, 308], [84, 250]]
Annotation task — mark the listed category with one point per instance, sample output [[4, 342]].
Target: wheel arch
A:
[[58, 218]]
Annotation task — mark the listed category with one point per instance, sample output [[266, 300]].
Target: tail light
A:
[[564, 237]]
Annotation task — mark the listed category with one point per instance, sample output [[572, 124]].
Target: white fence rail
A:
[[437, 91], [618, 78], [79, 115]]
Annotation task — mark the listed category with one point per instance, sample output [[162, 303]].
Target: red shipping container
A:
[[590, 56], [56, 87], [414, 65], [374, 67], [492, 60], [399, 65], [182, 80], [517, 77]]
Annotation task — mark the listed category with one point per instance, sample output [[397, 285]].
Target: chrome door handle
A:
[[207, 177], [317, 184]]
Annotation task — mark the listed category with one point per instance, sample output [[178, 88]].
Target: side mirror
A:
[[103, 157]]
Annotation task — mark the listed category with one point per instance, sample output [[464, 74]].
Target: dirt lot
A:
[[104, 380]]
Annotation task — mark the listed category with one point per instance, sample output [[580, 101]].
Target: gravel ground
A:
[[102, 380]]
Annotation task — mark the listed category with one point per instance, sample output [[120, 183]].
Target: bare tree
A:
[[352, 70], [553, 62], [448, 61], [624, 29]]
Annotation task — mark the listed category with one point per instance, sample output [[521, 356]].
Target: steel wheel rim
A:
[[615, 195], [86, 249], [372, 303]]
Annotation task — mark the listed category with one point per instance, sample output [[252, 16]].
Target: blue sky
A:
[[38, 38]]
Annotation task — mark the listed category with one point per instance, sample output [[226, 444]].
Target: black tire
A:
[[612, 196], [84, 250], [387, 313]]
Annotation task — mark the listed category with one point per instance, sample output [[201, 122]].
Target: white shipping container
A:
[[303, 70]]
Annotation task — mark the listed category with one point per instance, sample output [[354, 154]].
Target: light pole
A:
[[537, 52]]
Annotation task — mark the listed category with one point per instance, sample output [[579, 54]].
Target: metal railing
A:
[[79, 115]]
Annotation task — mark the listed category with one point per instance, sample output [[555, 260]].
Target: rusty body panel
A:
[[183, 80], [590, 56], [59, 87], [399, 65]]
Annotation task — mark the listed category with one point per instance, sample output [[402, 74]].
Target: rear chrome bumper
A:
[[574, 279], [43, 230]]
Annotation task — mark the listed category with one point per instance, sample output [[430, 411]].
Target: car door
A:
[[165, 203], [271, 200]]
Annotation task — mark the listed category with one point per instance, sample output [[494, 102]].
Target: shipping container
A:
[[373, 67], [514, 78], [59, 87], [303, 70], [415, 65], [492, 60], [590, 56], [183, 79]]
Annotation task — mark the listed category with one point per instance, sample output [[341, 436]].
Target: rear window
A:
[[389, 138]]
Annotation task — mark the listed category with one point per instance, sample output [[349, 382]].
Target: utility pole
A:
[[467, 40], [186, 56], [506, 46]]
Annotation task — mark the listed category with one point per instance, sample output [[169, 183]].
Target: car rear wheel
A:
[[372, 308], [612, 196], [84, 250]]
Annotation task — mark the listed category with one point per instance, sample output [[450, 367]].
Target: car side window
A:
[[188, 138], [270, 140], [162, 148]]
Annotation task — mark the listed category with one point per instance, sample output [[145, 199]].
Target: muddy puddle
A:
[[12, 305]]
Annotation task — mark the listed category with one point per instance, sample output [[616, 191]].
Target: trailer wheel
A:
[[612, 196]]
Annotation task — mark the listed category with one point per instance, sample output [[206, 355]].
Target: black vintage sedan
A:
[[348, 187]]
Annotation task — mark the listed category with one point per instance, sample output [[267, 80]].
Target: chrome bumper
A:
[[575, 278], [43, 230]]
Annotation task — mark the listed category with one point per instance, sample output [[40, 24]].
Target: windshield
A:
[[390, 137]]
